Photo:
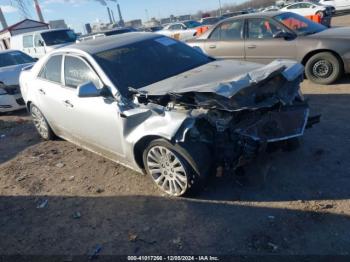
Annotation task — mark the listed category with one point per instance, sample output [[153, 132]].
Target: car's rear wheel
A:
[[323, 68], [41, 123], [172, 168], [320, 13]]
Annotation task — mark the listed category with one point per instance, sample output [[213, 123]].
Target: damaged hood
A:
[[225, 78]]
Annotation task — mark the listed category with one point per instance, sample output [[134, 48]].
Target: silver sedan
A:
[[160, 107]]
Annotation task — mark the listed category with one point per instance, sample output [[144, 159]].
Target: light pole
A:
[[220, 10]]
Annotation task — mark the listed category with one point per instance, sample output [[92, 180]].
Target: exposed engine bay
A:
[[239, 118]]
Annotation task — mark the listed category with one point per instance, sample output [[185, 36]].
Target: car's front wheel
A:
[[172, 168], [323, 68], [41, 123]]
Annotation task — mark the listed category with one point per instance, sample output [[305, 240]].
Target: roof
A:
[[6, 51], [257, 15], [12, 27], [110, 42]]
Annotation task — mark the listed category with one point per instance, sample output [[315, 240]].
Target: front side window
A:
[[27, 41], [76, 72], [52, 69], [263, 29], [231, 30], [176, 27]]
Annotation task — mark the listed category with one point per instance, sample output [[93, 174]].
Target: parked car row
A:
[[264, 37]]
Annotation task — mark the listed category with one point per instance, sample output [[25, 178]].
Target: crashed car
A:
[[158, 106], [11, 64]]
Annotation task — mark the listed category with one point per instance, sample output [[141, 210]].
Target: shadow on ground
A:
[[151, 225]]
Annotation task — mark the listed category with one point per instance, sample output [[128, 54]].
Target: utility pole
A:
[[220, 10], [147, 16], [38, 10]]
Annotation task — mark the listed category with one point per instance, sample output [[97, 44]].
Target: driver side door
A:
[[262, 47], [96, 121], [39, 47]]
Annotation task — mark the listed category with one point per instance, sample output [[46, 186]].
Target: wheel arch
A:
[[314, 52], [28, 104], [140, 146]]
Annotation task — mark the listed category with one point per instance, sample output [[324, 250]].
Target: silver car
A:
[[11, 64], [160, 107]]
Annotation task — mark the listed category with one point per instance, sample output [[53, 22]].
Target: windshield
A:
[[59, 37], [192, 24], [144, 63], [299, 24], [15, 58]]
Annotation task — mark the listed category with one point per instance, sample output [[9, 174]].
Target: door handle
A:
[[251, 46], [42, 92], [68, 103], [212, 46]]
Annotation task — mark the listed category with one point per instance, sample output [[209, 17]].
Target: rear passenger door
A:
[[226, 41], [39, 46], [51, 94]]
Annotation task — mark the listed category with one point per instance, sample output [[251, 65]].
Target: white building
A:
[[21, 27]]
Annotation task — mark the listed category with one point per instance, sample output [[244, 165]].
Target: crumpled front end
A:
[[240, 117]]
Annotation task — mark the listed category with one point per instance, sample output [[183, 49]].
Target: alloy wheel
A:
[[40, 122], [167, 170]]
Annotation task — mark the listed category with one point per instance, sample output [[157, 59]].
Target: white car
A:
[[306, 9], [11, 64], [185, 30], [339, 5], [37, 44]]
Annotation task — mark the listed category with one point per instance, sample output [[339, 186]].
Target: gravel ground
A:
[[57, 199]]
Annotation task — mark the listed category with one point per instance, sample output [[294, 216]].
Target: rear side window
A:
[[52, 69], [231, 30], [76, 72], [27, 41]]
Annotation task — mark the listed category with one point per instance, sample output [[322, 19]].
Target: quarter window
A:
[[227, 31], [27, 41], [52, 70], [76, 72]]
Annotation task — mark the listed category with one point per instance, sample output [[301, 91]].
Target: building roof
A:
[[13, 27]]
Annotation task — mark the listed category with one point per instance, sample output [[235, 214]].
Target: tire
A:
[[173, 168], [320, 13], [323, 68], [41, 124]]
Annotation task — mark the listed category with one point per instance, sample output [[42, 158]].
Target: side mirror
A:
[[285, 35], [41, 42], [88, 89]]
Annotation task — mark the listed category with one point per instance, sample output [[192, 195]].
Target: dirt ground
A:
[[57, 199]]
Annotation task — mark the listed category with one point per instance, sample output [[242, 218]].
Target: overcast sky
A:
[[78, 12]]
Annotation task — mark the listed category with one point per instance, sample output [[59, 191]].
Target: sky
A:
[[76, 13]]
